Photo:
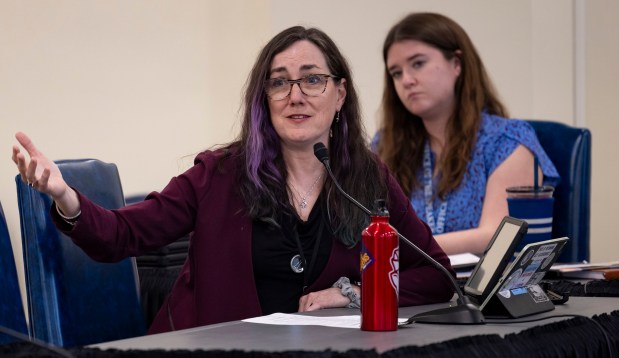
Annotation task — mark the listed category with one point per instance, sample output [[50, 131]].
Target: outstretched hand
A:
[[43, 174]]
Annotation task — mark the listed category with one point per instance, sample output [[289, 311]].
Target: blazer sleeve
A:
[[163, 217]]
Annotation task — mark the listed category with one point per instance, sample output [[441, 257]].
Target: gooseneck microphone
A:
[[465, 312], [322, 153]]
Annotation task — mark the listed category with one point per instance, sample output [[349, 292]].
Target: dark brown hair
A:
[[263, 181], [403, 134]]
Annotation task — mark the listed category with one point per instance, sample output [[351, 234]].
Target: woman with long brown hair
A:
[[445, 136]]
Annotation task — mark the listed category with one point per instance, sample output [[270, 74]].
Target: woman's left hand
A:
[[329, 298]]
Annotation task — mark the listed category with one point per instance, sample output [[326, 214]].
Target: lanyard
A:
[[438, 227]]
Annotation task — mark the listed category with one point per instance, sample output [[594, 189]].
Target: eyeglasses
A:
[[312, 85]]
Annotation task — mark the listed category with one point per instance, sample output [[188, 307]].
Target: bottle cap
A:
[[380, 208]]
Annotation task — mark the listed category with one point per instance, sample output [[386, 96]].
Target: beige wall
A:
[[519, 42], [602, 110], [144, 84], [147, 83]]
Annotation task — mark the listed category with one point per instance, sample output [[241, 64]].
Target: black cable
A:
[[22, 337], [600, 327]]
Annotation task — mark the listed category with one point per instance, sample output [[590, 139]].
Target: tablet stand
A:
[[518, 302]]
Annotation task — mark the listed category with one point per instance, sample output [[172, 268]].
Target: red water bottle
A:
[[380, 271]]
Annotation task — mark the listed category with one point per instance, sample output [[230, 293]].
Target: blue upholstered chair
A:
[[73, 300], [569, 148], [11, 308]]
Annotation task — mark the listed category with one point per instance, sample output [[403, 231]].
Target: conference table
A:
[[244, 336]]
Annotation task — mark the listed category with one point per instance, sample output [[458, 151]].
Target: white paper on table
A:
[[353, 321], [463, 260], [585, 266]]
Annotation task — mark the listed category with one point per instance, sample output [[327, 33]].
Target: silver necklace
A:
[[303, 202]]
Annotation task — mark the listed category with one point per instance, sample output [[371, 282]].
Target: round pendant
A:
[[296, 264]]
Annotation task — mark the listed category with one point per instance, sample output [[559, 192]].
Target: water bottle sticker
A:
[[366, 260], [394, 276]]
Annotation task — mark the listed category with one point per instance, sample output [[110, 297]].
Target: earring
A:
[[337, 116], [330, 133]]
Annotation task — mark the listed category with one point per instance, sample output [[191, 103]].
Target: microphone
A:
[[465, 312]]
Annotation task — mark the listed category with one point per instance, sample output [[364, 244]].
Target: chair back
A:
[[158, 270], [11, 307], [569, 148], [72, 299]]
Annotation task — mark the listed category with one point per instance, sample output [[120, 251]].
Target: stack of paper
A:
[[595, 271], [463, 264]]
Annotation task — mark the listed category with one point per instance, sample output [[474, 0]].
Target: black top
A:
[[279, 287]]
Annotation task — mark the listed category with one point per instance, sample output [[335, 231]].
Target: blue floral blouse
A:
[[496, 140]]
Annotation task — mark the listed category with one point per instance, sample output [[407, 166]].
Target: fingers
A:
[[309, 302], [25, 142], [322, 299], [303, 303], [31, 171], [312, 307], [42, 182], [15, 154], [20, 160]]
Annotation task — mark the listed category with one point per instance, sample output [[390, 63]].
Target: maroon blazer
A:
[[216, 283]]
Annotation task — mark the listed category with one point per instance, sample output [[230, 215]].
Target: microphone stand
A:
[[464, 312]]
